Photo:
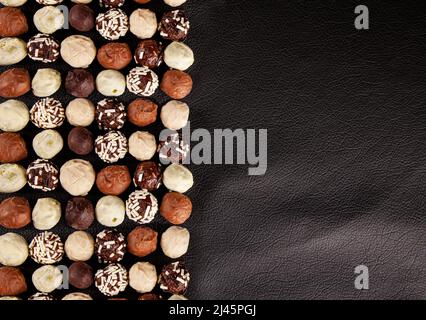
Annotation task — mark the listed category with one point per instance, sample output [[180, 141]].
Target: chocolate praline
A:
[[12, 282], [111, 3], [79, 213], [47, 113], [12, 22], [112, 24], [82, 18], [80, 141], [176, 207], [174, 278], [148, 176], [174, 148], [174, 25], [114, 55], [113, 180], [142, 241], [110, 114], [80, 275], [111, 147], [43, 47], [79, 83], [149, 53], [150, 297], [46, 248], [111, 280], [43, 175], [15, 213], [141, 206], [110, 246], [142, 112], [176, 84], [142, 81], [12, 147], [14, 83]]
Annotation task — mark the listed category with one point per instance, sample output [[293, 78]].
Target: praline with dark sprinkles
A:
[[43, 175]]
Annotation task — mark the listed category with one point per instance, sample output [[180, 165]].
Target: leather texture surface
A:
[[346, 179]]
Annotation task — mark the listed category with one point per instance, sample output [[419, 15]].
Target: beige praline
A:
[[80, 112], [77, 296], [142, 145], [143, 277], [143, 23], [77, 177], [13, 249], [78, 51], [175, 242], [79, 246]]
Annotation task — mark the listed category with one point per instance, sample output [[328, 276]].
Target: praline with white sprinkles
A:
[[46, 248], [110, 114], [174, 25], [43, 47], [142, 81], [112, 24], [111, 147], [43, 175], [141, 206], [47, 113], [174, 278], [110, 246], [112, 280]]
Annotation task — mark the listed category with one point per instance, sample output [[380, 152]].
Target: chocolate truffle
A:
[[41, 296], [114, 55], [174, 278], [80, 141], [142, 145], [12, 3], [111, 3], [12, 22], [47, 113], [110, 246], [174, 3], [176, 84], [14, 116], [177, 297], [178, 55], [142, 81], [112, 24], [46, 213], [174, 25], [77, 296], [110, 211], [149, 53], [46, 248], [173, 148], [49, 2], [49, 19], [111, 280], [79, 246], [47, 278], [111, 147], [143, 277], [12, 177], [80, 275], [47, 143], [142, 112], [12, 147], [150, 297], [15, 213], [80, 112], [78, 51], [77, 177], [42, 175], [175, 242], [46, 82], [143, 23], [142, 241], [12, 50], [142, 1], [110, 114], [111, 83], [12, 282], [177, 178], [148, 176], [14, 83], [79, 83], [82, 18], [43, 47], [113, 180], [14, 250], [174, 115], [176, 207], [79, 213], [141, 206]]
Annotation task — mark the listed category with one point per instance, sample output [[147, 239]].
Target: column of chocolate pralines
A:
[[77, 176]]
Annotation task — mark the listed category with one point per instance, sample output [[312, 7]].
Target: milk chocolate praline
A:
[[149, 53], [176, 84], [79, 83], [79, 213], [82, 18], [142, 112], [81, 275], [12, 282], [113, 180], [12, 147], [15, 213], [80, 141], [150, 297], [148, 175], [142, 241], [14, 83], [12, 22], [176, 207], [114, 55]]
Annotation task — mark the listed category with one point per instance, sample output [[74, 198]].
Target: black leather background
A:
[[346, 179]]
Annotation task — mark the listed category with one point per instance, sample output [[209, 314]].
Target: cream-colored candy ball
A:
[[14, 115], [142, 145], [46, 213], [178, 56], [175, 242], [80, 112], [177, 297], [13, 250], [13, 177], [12, 50], [47, 278], [49, 19], [174, 3], [143, 23], [77, 177], [48, 143], [79, 246], [78, 51], [46, 82], [174, 115], [178, 178], [143, 277], [10, 298], [77, 296], [110, 211], [111, 83], [13, 3]]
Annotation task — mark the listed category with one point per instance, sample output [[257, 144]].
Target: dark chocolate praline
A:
[[174, 278], [110, 114], [148, 175], [81, 275], [82, 18], [80, 141], [43, 175], [149, 53], [174, 25], [79, 213], [110, 246], [79, 83]]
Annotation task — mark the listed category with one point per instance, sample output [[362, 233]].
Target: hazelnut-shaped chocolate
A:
[[82, 18], [12, 22], [176, 207], [12, 282], [142, 112], [113, 180], [15, 213], [12, 147], [80, 141], [79, 213], [79, 83], [176, 84], [149, 53], [142, 241], [114, 55], [14, 83]]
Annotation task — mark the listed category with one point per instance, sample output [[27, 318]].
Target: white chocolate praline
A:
[[80, 112], [143, 23], [47, 143], [174, 3], [10, 298], [143, 277], [12, 50], [175, 242], [79, 246], [14, 115], [77, 296], [82, 1], [110, 211], [111, 83], [13, 250], [13, 3], [13, 177], [46, 82], [178, 56], [142, 145], [178, 297], [46, 213], [174, 115], [77, 177], [49, 19], [78, 51], [177, 178], [47, 278]]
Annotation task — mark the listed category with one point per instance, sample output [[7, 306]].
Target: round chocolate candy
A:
[[46, 248], [111, 3], [148, 176], [12, 22], [15, 213], [112, 280], [150, 297], [111, 147], [142, 241], [14, 83], [142, 112], [112, 24], [80, 141], [113, 180], [149, 53], [174, 25], [110, 114], [142, 81], [141, 206], [174, 148], [176, 84], [79, 83], [79, 213], [174, 278], [47, 113], [12, 147], [176, 207], [41, 296], [43, 47], [114, 55], [80, 275], [110, 246], [43, 175], [82, 18]]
